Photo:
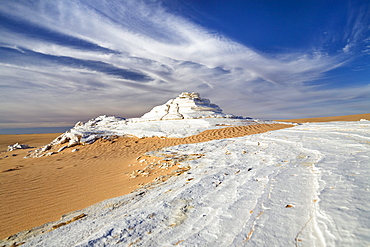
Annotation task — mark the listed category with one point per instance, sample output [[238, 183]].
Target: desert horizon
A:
[[57, 130], [355, 117]]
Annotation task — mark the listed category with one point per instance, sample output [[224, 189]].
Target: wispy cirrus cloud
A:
[[64, 61], [357, 29]]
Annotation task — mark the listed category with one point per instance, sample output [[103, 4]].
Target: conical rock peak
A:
[[186, 106]]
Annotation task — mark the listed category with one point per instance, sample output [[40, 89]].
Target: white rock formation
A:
[[17, 146], [186, 115], [186, 106]]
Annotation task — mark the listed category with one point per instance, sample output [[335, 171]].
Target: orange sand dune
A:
[[329, 119], [38, 190]]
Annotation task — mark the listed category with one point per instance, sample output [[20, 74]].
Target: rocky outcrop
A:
[[160, 121], [17, 146], [87, 132], [186, 106]]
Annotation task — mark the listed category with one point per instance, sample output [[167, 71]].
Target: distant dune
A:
[[329, 119]]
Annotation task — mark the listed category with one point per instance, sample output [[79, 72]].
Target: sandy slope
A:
[[36, 191], [330, 119]]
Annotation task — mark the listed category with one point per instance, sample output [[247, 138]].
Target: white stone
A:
[[186, 106], [62, 148], [17, 146]]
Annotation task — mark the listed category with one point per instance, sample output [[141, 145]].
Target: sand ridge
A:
[[39, 190]]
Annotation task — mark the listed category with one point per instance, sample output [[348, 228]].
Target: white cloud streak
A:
[[143, 37]]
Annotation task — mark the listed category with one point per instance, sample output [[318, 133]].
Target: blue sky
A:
[[71, 60]]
